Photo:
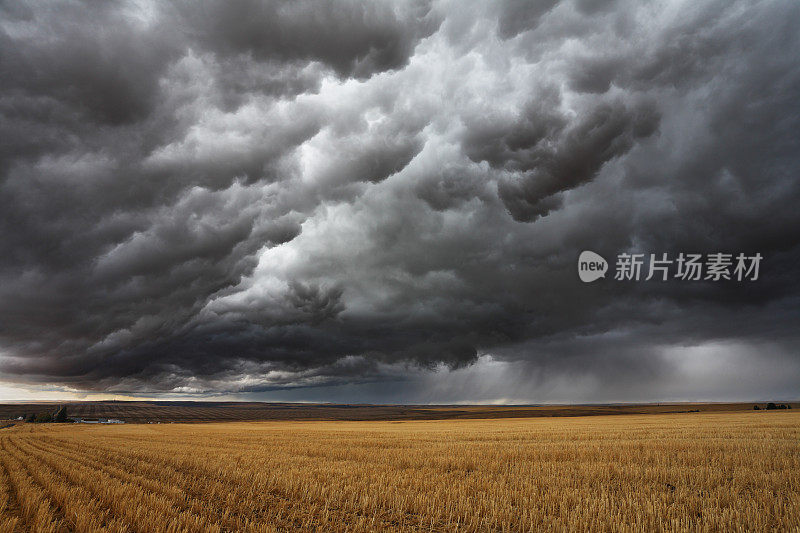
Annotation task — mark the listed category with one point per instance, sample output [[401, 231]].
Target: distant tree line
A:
[[59, 415], [770, 406]]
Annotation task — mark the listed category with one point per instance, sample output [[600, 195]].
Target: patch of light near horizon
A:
[[10, 392]]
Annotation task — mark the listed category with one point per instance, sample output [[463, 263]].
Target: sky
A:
[[385, 202]]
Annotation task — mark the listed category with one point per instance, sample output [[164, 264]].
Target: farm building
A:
[[98, 421]]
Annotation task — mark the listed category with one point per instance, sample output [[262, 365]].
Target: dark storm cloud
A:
[[354, 38], [551, 162], [253, 196]]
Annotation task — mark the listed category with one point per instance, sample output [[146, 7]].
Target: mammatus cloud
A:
[[261, 196]]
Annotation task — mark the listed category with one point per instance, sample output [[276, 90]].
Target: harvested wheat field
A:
[[694, 472]]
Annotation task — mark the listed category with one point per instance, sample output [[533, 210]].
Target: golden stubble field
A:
[[692, 472]]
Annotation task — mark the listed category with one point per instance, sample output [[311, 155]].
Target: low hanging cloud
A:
[[262, 196]]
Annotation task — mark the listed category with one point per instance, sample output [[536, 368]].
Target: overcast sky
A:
[[385, 201]]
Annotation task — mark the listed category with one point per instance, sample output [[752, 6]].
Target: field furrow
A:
[[39, 512], [10, 517], [245, 493], [148, 477], [80, 510], [125, 500]]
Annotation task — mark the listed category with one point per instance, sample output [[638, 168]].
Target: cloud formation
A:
[[251, 196]]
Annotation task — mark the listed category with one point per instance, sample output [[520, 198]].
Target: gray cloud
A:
[[553, 162], [279, 196], [353, 38]]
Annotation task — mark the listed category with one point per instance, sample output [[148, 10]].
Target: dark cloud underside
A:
[[252, 196]]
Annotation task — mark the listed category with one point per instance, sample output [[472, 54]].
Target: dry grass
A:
[[696, 472]]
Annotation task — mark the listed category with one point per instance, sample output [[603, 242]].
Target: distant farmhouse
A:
[[98, 421]]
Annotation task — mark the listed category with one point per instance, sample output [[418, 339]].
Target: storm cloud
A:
[[260, 197]]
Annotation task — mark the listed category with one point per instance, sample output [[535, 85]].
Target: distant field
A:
[[239, 411], [677, 472]]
